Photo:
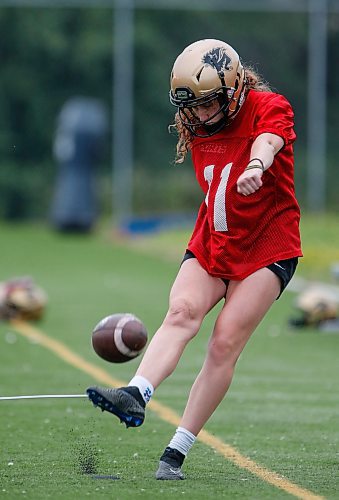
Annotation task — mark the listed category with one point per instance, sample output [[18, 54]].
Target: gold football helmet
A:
[[207, 70], [21, 298], [316, 305]]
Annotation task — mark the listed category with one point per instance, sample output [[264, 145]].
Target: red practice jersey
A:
[[235, 235]]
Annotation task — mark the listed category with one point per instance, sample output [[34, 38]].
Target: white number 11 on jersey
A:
[[220, 217]]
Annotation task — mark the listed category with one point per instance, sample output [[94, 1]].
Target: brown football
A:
[[119, 337]]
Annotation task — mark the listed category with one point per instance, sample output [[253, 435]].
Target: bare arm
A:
[[264, 148]]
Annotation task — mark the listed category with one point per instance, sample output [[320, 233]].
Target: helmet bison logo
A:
[[218, 59]]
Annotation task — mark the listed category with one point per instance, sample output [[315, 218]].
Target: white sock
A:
[[183, 440], [145, 387]]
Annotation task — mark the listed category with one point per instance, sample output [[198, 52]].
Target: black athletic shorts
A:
[[284, 269]]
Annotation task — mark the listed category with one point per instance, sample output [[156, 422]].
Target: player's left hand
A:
[[249, 181]]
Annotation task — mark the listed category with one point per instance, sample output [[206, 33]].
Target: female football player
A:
[[245, 245]]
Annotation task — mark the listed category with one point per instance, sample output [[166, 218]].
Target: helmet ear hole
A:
[[199, 74]]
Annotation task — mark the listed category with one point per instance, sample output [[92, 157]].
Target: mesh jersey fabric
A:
[[235, 235]]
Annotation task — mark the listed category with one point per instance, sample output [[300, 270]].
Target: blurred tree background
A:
[[49, 55]]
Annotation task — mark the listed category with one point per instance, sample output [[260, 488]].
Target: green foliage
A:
[[47, 57], [50, 55], [174, 188], [25, 191]]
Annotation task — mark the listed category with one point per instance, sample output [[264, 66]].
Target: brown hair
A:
[[185, 137]]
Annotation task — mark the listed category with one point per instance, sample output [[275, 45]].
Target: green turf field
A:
[[281, 412]]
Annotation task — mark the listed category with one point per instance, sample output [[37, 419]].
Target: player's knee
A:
[[223, 350], [184, 314]]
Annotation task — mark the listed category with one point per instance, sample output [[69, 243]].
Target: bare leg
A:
[[247, 303], [193, 294]]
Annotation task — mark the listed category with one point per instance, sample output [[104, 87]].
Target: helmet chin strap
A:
[[209, 129], [216, 127]]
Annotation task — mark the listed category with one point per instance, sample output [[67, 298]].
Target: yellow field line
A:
[[163, 412]]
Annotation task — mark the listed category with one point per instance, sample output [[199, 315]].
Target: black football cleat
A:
[[125, 402]]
